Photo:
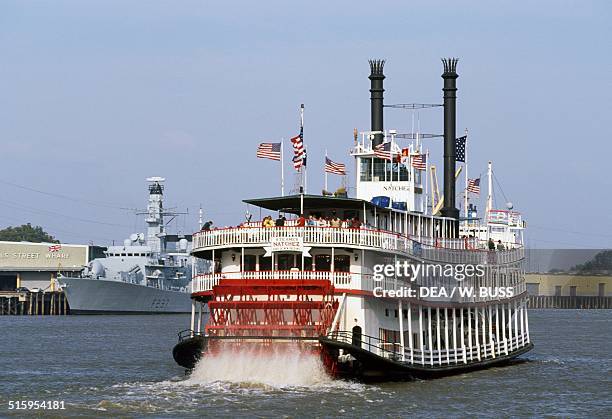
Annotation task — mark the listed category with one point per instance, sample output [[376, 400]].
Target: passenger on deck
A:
[[500, 245], [280, 221], [207, 226], [311, 220], [335, 222], [301, 221], [321, 222], [355, 223], [491, 244], [268, 222]]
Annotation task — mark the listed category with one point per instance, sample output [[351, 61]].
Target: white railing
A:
[[340, 280], [436, 250], [355, 281], [359, 237], [465, 355]]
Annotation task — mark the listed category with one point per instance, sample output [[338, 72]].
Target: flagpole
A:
[[426, 181], [325, 171], [465, 163], [282, 169], [303, 167]]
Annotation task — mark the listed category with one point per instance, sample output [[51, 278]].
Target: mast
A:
[[489, 189], [465, 192], [155, 214], [282, 164], [325, 172]]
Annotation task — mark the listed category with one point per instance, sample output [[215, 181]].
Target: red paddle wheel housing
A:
[[271, 308]]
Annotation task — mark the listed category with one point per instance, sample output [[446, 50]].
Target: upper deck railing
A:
[[442, 250], [367, 282]]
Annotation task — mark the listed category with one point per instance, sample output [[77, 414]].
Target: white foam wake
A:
[[272, 366]]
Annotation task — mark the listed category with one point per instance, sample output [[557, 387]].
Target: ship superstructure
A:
[[314, 283], [146, 274]]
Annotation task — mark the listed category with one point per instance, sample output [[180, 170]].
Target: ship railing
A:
[[464, 250], [340, 280], [206, 282], [359, 237], [367, 282], [431, 358]]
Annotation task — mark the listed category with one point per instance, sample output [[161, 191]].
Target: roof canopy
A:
[[292, 203]]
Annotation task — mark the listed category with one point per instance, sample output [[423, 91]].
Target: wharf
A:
[[25, 303]]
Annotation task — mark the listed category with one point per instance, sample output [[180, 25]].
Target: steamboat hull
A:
[[363, 365]]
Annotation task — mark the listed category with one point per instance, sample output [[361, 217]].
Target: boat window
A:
[[379, 170], [366, 169], [342, 263], [392, 172], [307, 263], [323, 262], [285, 262], [250, 263], [265, 263]]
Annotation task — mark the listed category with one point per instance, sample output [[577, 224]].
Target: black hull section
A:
[[189, 351], [371, 367]]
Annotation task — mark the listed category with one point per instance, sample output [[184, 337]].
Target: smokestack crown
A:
[[450, 67], [376, 69]]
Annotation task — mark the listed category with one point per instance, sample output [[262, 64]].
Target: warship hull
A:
[[100, 296]]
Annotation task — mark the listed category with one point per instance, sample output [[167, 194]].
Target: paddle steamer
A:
[[315, 287]]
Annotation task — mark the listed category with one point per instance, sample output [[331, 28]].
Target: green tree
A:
[[601, 263], [26, 233]]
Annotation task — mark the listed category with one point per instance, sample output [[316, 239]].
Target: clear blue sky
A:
[[97, 95]]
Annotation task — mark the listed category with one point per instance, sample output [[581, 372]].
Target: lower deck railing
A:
[[432, 357]]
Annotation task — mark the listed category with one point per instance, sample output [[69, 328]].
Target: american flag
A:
[[55, 248], [298, 162], [383, 151], [460, 148], [269, 151], [419, 161], [299, 153], [335, 168], [474, 186]]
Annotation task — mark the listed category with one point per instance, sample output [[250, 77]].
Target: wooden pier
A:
[[53, 303]]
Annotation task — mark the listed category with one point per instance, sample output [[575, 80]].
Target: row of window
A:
[[287, 261], [374, 169], [127, 254]]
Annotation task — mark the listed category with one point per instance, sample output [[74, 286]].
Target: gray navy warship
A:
[[145, 275]]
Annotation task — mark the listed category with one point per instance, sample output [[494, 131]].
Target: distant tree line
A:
[[26, 233], [601, 263]]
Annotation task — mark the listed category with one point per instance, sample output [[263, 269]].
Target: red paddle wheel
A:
[[271, 312]]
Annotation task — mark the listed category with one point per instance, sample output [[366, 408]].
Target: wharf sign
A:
[[41, 255], [287, 244]]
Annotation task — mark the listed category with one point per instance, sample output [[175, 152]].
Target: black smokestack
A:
[[450, 119], [376, 98]]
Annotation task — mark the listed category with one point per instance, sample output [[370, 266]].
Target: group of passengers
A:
[[334, 221], [492, 246], [313, 221]]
